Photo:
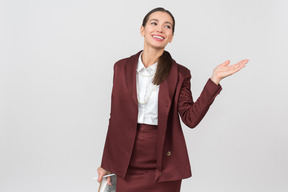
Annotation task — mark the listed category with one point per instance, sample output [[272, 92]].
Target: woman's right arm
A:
[[100, 170]]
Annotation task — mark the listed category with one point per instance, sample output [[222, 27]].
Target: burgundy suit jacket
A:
[[174, 98]]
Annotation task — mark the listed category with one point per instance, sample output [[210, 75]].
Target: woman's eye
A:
[[168, 26], [153, 23]]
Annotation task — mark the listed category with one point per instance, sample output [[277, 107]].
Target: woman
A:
[[145, 146]]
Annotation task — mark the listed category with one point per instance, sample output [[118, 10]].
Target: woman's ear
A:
[[142, 31]]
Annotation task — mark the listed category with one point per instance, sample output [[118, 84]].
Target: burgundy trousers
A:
[[142, 165]]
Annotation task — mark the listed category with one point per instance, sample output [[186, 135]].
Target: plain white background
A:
[[56, 69]]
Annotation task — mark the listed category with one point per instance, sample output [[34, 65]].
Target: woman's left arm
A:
[[193, 112]]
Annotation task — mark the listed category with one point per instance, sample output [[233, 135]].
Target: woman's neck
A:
[[150, 56]]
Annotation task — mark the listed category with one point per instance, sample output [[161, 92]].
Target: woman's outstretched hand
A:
[[224, 70], [101, 173]]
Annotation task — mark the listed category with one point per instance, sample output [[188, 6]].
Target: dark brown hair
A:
[[165, 60]]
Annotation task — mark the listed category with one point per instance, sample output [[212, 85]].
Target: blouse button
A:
[[168, 153]]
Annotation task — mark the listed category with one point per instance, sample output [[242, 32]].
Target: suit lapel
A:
[[165, 97], [131, 76]]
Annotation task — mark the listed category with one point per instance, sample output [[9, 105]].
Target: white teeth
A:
[[158, 37]]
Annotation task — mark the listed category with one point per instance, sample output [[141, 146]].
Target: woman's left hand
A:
[[224, 70]]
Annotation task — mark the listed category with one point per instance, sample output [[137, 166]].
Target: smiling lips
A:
[[158, 37]]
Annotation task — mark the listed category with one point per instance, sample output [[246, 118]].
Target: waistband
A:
[[145, 127]]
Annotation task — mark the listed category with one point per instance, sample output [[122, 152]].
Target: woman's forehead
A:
[[161, 16]]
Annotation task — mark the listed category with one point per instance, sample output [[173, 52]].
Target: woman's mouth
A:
[[158, 37]]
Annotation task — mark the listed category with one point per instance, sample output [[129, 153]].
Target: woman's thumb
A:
[[226, 63]]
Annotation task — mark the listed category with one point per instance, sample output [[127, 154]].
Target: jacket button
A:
[[168, 153]]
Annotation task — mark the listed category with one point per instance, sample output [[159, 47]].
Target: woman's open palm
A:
[[224, 70]]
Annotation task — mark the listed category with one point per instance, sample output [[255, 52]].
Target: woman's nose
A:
[[159, 29]]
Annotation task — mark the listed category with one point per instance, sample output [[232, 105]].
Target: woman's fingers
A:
[[226, 63], [100, 176], [243, 62], [240, 65], [225, 70], [101, 173], [109, 181]]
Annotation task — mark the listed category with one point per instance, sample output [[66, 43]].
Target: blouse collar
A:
[[141, 68]]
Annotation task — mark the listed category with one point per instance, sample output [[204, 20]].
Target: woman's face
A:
[[158, 32]]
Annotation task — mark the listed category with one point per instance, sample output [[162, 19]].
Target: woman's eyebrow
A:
[[168, 22], [154, 20], [158, 20]]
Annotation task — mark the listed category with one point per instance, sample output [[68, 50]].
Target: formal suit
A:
[[174, 99]]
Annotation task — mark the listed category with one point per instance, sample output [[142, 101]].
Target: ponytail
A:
[[163, 68]]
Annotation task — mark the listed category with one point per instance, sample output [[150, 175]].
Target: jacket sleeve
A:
[[193, 112], [105, 155]]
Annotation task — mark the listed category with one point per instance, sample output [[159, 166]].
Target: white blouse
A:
[[147, 93]]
